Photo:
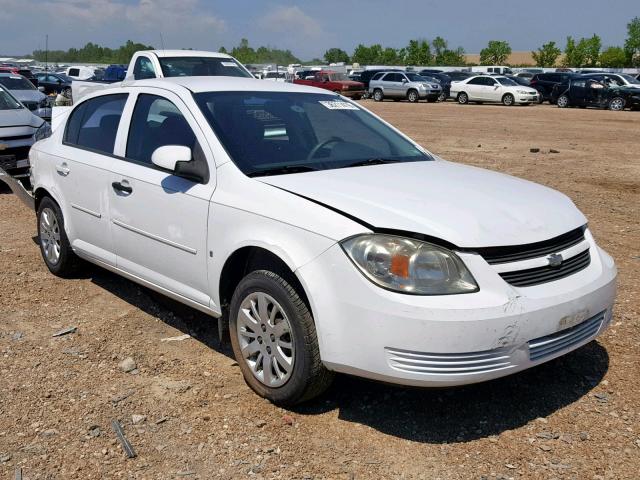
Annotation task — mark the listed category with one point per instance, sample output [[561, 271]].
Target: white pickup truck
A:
[[168, 63]]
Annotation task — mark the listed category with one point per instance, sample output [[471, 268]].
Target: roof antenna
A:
[[162, 41]]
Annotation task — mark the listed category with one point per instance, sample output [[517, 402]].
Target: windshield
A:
[[414, 77], [267, 133], [7, 102], [630, 79], [16, 83], [202, 67], [275, 75], [507, 81], [338, 77]]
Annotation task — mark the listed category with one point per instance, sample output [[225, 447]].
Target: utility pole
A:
[[46, 53]]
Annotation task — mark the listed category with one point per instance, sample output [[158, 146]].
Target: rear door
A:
[[83, 172], [393, 84], [475, 88], [159, 220]]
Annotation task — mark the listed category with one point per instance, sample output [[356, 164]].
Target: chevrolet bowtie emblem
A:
[[3, 146], [555, 260]]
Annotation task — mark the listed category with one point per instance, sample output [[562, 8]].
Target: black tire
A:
[[308, 377], [68, 262], [413, 96], [508, 100], [616, 104], [378, 96], [563, 101], [442, 97], [462, 98], [432, 100]]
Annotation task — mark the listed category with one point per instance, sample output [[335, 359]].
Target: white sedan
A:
[[329, 240], [485, 88]]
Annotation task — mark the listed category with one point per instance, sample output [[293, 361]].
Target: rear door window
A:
[[93, 125], [143, 69]]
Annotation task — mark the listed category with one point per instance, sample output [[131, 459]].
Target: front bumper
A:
[[370, 332], [527, 99]]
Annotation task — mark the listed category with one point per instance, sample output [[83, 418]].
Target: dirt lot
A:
[[577, 417]]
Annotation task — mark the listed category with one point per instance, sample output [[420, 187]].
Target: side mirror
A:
[[41, 89], [169, 155], [404, 80]]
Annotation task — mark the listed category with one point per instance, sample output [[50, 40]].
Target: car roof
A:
[[186, 53], [217, 84]]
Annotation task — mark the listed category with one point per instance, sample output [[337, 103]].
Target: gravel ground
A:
[[188, 414]]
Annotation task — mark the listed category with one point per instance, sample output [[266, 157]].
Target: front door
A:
[[159, 220]]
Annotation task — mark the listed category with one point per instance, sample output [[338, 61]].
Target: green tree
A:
[[336, 55], [632, 43], [591, 48], [573, 54], [495, 53], [613, 57], [418, 52], [546, 55], [439, 48], [222, 50], [367, 55], [453, 58]]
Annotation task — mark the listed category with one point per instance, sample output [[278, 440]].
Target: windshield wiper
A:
[[371, 161], [263, 172]]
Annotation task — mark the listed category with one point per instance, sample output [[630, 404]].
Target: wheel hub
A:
[[266, 339], [50, 236]]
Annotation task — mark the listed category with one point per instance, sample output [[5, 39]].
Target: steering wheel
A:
[[317, 148]]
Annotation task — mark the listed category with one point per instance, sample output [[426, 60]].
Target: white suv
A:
[[329, 240]]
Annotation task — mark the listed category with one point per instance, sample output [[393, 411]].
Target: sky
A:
[[309, 27]]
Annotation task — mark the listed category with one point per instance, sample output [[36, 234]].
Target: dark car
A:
[[365, 77], [54, 82], [587, 92], [544, 82], [442, 78], [520, 79], [457, 76]]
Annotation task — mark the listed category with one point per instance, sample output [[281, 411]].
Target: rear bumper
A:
[[352, 93], [456, 339]]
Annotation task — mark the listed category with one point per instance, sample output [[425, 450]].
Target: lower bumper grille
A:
[[448, 364], [543, 347]]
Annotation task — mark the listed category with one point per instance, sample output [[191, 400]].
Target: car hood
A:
[[28, 95], [466, 206], [19, 118]]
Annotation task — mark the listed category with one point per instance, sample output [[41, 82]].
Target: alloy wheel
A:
[[266, 339], [50, 236], [617, 104]]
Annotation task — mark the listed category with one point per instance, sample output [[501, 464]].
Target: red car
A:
[[334, 81], [25, 72]]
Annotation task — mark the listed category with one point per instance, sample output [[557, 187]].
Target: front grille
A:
[[543, 347], [448, 363], [516, 253], [20, 153], [31, 105], [536, 276], [18, 137]]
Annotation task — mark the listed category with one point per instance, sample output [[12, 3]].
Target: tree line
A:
[[583, 52]]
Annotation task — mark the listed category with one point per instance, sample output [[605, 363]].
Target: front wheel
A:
[[442, 97], [463, 98], [378, 96], [413, 96], [617, 104], [274, 340], [508, 100], [563, 101]]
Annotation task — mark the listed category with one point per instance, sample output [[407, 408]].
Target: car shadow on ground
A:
[[200, 326], [466, 413], [444, 415]]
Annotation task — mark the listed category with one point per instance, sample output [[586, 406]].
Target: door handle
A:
[[122, 187], [63, 169]]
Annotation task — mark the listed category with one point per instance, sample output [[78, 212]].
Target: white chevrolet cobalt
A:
[[329, 240]]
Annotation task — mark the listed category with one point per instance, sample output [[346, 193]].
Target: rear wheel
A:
[[378, 96], [463, 98], [617, 104], [508, 100], [563, 101], [412, 96], [54, 244], [442, 97], [274, 340]]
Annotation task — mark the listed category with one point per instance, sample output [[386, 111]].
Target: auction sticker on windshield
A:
[[337, 105]]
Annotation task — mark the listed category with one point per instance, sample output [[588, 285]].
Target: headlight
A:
[[525, 92], [43, 132], [409, 266], [422, 86]]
